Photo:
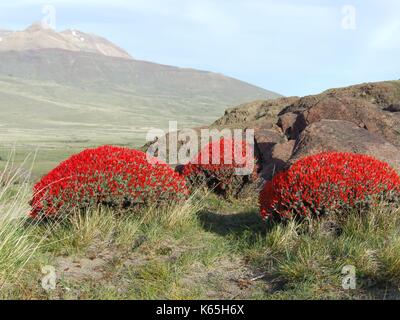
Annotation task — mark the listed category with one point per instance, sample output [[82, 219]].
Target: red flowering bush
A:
[[226, 166], [328, 182], [116, 177]]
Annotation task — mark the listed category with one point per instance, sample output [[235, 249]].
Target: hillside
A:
[[55, 84]]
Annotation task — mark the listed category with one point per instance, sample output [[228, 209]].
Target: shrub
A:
[[217, 167], [117, 177], [328, 182]]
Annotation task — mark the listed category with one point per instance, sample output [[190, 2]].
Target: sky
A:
[[293, 47]]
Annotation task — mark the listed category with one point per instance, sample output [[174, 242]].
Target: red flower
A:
[[217, 166], [113, 176], [328, 182]]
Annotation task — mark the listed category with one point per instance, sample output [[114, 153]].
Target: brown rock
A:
[[265, 140], [278, 161], [254, 113], [344, 136], [283, 151], [361, 112], [382, 94], [292, 124], [393, 108]]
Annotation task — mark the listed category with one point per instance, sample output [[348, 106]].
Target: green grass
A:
[[207, 248], [91, 111], [39, 157]]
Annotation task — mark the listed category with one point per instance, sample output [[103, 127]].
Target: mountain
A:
[[72, 85], [38, 36]]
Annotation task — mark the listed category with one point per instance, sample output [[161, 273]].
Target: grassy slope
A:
[[35, 112], [60, 102], [56, 93], [58, 121]]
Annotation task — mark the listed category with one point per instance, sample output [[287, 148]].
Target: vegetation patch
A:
[[226, 167], [120, 178], [329, 182]]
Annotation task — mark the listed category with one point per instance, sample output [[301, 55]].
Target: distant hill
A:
[[72, 83], [38, 36]]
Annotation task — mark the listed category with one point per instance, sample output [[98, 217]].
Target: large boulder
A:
[[344, 136], [271, 150], [361, 112], [292, 124], [278, 161], [265, 140]]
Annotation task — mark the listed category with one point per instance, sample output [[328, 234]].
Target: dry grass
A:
[[18, 238], [308, 259]]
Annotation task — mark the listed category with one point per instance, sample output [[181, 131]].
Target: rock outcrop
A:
[[257, 113], [363, 113], [345, 136], [361, 119]]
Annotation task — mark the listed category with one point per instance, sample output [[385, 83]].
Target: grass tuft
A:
[[18, 239]]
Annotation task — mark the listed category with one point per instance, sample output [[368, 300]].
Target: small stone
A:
[[393, 108]]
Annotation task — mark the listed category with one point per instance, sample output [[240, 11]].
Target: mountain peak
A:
[[36, 26], [40, 36]]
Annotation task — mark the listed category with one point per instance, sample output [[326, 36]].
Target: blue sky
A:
[[294, 47]]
